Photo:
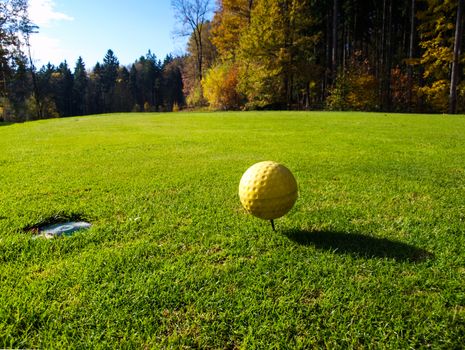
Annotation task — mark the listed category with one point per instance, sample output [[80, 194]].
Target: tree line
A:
[[372, 55], [146, 85], [28, 93], [369, 55], [52, 91]]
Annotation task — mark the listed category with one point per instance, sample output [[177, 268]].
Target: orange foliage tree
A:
[[220, 87]]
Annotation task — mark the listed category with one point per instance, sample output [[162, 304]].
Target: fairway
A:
[[371, 256]]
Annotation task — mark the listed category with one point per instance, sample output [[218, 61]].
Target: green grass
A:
[[371, 256]]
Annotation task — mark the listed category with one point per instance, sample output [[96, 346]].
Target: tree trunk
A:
[[455, 63], [410, 56], [327, 77], [3, 81], [249, 17], [307, 96], [199, 54], [382, 55], [35, 86], [385, 69], [387, 81], [334, 44]]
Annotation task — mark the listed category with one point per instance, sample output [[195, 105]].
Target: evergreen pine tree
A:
[[80, 88]]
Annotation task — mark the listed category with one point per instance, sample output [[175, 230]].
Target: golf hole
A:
[[57, 226], [62, 229]]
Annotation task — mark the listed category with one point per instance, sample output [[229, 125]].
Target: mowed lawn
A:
[[371, 256]]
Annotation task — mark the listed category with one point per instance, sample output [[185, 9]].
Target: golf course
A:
[[371, 256]]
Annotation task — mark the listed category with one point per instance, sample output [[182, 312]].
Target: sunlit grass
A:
[[371, 256]]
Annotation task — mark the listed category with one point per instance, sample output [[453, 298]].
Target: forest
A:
[[385, 55]]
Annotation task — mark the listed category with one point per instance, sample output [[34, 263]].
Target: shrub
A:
[[46, 108], [437, 95], [220, 87], [195, 97], [356, 88]]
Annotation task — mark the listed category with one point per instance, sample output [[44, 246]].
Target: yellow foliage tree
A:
[[437, 41], [229, 22], [219, 87], [280, 40]]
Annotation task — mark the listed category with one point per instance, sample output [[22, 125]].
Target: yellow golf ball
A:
[[268, 190]]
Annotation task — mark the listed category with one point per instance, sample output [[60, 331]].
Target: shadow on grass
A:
[[359, 245], [5, 123]]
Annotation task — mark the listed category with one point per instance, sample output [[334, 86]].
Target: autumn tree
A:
[[277, 52], [458, 38], [220, 86], [192, 85], [13, 17], [355, 87], [410, 61], [15, 84], [378, 55], [231, 18], [192, 16], [220, 83], [437, 30]]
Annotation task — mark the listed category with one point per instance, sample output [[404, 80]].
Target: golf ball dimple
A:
[[268, 190]]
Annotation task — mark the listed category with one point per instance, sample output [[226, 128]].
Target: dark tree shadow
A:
[[5, 123], [359, 245]]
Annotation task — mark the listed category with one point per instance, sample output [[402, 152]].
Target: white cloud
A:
[[46, 49], [42, 13]]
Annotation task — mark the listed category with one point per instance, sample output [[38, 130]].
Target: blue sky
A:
[[88, 28]]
